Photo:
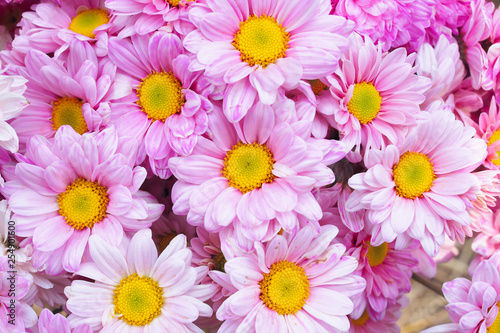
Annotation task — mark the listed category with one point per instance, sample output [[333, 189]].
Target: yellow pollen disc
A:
[[138, 299], [175, 3], [376, 254], [413, 175], [160, 95], [261, 40], [248, 166], [317, 86], [361, 320], [495, 326], [68, 111], [285, 288], [493, 138], [83, 204], [365, 102], [86, 21]]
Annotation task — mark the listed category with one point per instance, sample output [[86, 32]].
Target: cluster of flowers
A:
[[245, 165]]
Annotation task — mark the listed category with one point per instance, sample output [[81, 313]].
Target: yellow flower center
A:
[[83, 204], [175, 3], [317, 86], [160, 95], [493, 138], [68, 111], [495, 326], [376, 254], [413, 175], [361, 320], [86, 21], [261, 40], [285, 288], [138, 299], [248, 166], [365, 102]]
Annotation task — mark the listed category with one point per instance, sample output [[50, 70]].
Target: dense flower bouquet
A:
[[246, 165]]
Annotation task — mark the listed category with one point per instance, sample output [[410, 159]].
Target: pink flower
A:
[[422, 189], [473, 305], [256, 49], [447, 17], [78, 92], [376, 97], [488, 129], [311, 270], [75, 186], [251, 174], [367, 324], [389, 22], [139, 291], [166, 124], [147, 16], [48, 322]]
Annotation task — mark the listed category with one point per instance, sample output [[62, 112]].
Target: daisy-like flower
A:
[[75, 186], [387, 272], [51, 28], [488, 129], [163, 112], [367, 324], [473, 305], [289, 283], [443, 66], [12, 102], [139, 291], [389, 22], [252, 172], [254, 49], [49, 322], [376, 96], [147, 16], [78, 92], [422, 189]]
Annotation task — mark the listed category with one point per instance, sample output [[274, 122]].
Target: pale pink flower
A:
[[367, 324], [49, 322], [54, 179], [314, 272], [391, 23], [148, 16], [166, 124], [473, 305], [251, 173], [376, 97], [78, 92], [488, 129], [139, 291], [256, 49], [423, 188]]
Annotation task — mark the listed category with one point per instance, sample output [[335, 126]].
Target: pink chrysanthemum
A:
[[441, 63], [422, 189], [147, 16], [12, 102], [75, 186], [78, 92], [139, 291], [311, 270], [167, 123], [376, 96], [48, 323], [367, 324], [488, 129], [389, 22], [473, 305], [255, 49], [447, 17], [51, 28], [252, 172]]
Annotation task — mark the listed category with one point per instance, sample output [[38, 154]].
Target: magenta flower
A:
[[376, 97], [78, 92], [289, 284], [253, 50], [422, 189], [251, 174], [169, 123], [139, 291], [75, 186]]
